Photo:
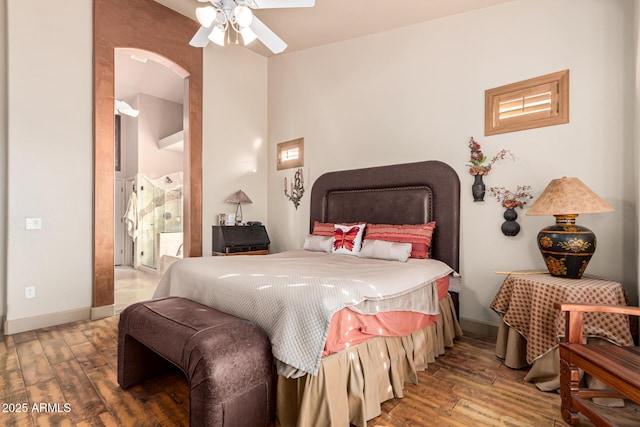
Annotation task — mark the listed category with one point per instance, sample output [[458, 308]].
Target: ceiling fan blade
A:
[[201, 37], [280, 4], [267, 37]]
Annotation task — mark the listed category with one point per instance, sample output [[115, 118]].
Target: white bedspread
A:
[[293, 295]]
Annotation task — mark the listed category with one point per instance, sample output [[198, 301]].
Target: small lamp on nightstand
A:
[[565, 246], [238, 197]]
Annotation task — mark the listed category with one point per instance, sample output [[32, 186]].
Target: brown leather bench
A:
[[616, 366], [227, 360]]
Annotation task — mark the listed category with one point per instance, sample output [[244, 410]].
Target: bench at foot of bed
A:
[[227, 360]]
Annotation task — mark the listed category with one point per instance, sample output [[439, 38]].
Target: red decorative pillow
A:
[[323, 228], [418, 235]]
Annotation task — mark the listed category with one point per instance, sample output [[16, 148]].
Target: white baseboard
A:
[[46, 320], [478, 328], [103, 311]]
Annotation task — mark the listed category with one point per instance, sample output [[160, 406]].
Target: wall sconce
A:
[[297, 188]]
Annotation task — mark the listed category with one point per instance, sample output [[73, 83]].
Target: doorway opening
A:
[[148, 185], [133, 24]]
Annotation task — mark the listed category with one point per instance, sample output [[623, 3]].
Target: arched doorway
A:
[[149, 26]]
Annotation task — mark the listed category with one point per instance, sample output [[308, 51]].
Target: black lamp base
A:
[[566, 247]]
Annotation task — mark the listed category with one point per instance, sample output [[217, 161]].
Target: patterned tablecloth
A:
[[526, 303]]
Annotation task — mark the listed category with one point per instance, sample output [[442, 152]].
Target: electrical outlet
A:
[[30, 292], [33, 223]]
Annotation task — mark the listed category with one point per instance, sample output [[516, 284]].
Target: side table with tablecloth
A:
[[531, 325]]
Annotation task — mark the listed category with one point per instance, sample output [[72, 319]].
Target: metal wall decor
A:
[[297, 188]]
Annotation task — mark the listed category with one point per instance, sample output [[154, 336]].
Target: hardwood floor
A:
[[66, 376]]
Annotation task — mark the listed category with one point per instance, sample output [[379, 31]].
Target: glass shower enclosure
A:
[[160, 211]]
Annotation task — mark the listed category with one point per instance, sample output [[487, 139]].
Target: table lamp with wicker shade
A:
[[238, 198], [566, 247]]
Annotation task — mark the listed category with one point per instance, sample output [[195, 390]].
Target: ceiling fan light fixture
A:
[[243, 16], [206, 15], [201, 37], [247, 35], [217, 35], [237, 14]]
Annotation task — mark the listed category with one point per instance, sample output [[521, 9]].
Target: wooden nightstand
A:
[[240, 240]]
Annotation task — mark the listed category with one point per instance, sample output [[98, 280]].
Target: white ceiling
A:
[[329, 21], [151, 78]]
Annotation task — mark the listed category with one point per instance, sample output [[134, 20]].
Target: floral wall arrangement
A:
[[479, 167], [510, 200], [477, 161]]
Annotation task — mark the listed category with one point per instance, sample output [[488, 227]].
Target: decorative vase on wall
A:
[[510, 227], [477, 189]]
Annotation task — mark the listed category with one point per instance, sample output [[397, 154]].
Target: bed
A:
[[345, 385]]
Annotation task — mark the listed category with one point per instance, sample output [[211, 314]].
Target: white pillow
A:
[[318, 243], [347, 239], [381, 249]]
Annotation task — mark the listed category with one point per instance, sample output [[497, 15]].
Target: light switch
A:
[[33, 223]]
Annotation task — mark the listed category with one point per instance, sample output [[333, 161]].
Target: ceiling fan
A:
[[222, 14]]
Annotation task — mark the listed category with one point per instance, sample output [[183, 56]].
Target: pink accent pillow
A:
[[323, 228], [418, 235], [327, 228]]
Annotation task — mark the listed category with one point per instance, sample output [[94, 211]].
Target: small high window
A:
[[533, 103], [291, 154]]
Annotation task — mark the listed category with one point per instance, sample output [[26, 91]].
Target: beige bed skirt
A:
[[337, 396]]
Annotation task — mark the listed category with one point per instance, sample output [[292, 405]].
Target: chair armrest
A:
[[575, 312], [600, 308]]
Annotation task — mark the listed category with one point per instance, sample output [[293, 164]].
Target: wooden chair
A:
[[618, 367]]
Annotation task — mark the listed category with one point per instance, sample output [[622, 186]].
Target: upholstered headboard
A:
[[411, 193]]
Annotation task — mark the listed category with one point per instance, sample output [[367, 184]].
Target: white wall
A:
[[365, 102], [234, 134], [389, 98], [636, 105], [50, 159], [50, 156], [158, 119], [3, 154]]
